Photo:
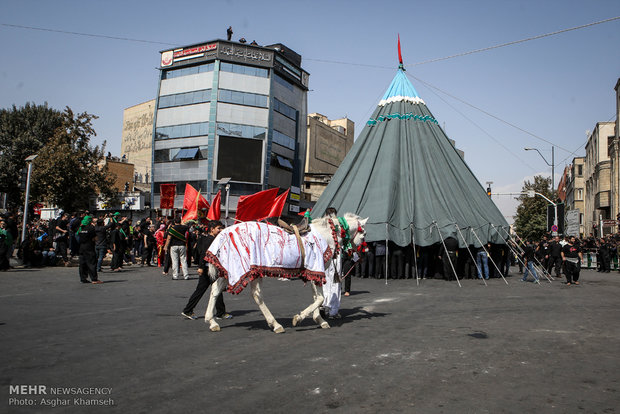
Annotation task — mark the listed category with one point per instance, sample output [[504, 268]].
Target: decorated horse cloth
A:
[[250, 250]]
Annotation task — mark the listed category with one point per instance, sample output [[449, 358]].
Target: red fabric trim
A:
[[256, 272]]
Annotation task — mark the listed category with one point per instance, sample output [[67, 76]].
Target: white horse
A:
[[244, 248]]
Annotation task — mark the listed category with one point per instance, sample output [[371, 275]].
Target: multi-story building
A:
[[230, 110], [328, 141], [575, 189], [597, 170], [137, 140], [614, 156]]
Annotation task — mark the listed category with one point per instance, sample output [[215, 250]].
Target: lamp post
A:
[[29, 161], [552, 165], [225, 182]]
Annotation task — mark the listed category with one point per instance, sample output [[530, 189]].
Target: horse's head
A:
[[356, 230]]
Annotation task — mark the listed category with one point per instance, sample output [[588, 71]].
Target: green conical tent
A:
[[405, 175]]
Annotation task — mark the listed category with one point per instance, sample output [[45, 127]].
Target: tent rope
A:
[[471, 254]]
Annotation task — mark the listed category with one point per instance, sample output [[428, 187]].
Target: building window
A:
[[198, 185], [580, 194], [240, 158], [243, 98], [279, 79], [581, 218], [241, 131], [187, 98], [244, 70], [180, 131], [579, 170], [180, 154], [175, 73], [284, 140], [284, 109], [282, 162]]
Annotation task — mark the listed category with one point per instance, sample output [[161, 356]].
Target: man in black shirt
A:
[[528, 258], [87, 238], [176, 245], [149, 244], [62, 237], [572, 255], [214, 228], [555, 249], [101, 247]]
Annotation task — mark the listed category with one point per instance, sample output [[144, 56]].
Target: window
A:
[[579, 170], [284, 140], [241, 131], [240, 158], [192, 70], [283, 82], [284, 109], [244, 70], [580, 194], [181, 154], [242, 98], [280, 161], [187, 98], [179, 131], [198, 185]]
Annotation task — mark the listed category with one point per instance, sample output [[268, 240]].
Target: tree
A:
[[68, 170], [531, 218], [23, 132]]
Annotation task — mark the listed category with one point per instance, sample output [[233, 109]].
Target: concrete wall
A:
[[137, 137]]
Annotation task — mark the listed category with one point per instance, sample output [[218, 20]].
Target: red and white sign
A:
[[167, 58], [194, 50]]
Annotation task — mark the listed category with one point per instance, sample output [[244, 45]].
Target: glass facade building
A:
[[227, 109]]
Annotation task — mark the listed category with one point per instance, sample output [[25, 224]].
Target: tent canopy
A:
[[405, 175]]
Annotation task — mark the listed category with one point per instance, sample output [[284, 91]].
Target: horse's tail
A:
[[213, 274]]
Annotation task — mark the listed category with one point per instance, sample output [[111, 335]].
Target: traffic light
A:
[[23, 178], [489, 191]]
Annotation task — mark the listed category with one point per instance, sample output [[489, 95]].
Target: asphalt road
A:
[[400, 348]]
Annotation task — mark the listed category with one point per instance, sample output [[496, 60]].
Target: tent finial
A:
[[400, 56]]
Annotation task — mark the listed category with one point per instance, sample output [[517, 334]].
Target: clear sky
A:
[[557, 87]]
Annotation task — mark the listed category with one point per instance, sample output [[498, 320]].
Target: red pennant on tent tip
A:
[[400, 56]]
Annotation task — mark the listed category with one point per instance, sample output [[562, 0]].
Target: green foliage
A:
[[531, 218], [23, 132], [68, 171]]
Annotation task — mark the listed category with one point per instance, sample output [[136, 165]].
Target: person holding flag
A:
[[176, 245]]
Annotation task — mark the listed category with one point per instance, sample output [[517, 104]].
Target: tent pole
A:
[[489, 255], [471, 254], [516, 253], [446, 250], [387, 253], [539, 267], [415, 257]]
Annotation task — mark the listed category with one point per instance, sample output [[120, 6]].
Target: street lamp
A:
[[225, 182], [552, 165], [29, 161]]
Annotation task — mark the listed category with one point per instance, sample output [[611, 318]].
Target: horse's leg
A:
[[316, 315], [258, 298], [313, 309], [216, 288]]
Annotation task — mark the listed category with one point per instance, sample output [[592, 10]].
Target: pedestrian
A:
[[447, 254], [483, 263], [176, 245], [62, 237], [101, 246], [331, 288], [204, 281], [87, 238], [572, 256], [160, 238], [556, 257], [117, 245], [149, 245], [6, 242], [528, 259]]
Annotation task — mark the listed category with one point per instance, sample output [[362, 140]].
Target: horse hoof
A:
[[325, 325], [215, 328], [296, 320], [279, 329]]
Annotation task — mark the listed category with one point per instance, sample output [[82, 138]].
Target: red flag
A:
[[191, 197], [191, 213], [215, 210], [278, 204], [256, 206], [400, 56], [167, 192]]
